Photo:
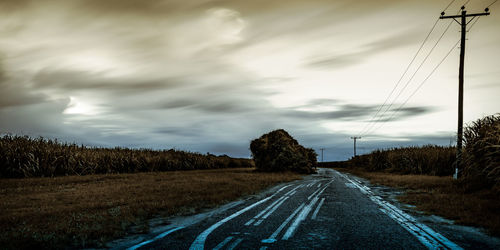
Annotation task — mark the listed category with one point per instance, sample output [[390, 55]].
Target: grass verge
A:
[[442, 196], [87, 211]]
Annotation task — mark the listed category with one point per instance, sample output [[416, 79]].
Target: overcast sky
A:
[[210, 76]]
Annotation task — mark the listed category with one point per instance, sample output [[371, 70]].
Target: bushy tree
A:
[[278, 151]]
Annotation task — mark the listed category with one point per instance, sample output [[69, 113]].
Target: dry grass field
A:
[[443, 196], [87, 211]]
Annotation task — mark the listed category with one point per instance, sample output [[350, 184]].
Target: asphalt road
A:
[[328, 210]]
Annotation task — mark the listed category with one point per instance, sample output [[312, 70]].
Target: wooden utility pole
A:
[[463, 23], [322, 149], [355, 138]]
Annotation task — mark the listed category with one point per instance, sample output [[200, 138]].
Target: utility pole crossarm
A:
[[467, 15]]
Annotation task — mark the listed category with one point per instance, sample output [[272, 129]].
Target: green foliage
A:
[[26, 157], [278, 151], [482, 153]]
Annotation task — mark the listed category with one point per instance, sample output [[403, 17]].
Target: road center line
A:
[[273, 236], [223, 243], [270, 212], [317, 209], [303, 214], [199, 242], [234, 244], [263, 211], [289, 193], [317, 190]]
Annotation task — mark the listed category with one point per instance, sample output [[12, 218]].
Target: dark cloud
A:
[[343, 112], [365, 51], [13, 93], [212, 105], [349, 112], [81, 80], [396, 113], [180, 131]]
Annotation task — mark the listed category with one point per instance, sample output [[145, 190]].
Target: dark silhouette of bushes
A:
[[26, 157], [482, 153], [278, 151]]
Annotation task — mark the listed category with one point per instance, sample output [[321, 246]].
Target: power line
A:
[[409, 81], [402, 76], [419, 86], [452, 1], [371, 123], [491, 4], [472, 25]]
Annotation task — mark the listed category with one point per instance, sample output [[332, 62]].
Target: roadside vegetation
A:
[[21, 156], [87, 211], [425, 174]]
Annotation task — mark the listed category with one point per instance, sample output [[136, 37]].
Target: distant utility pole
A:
[[463, 23], [355, 138], [322, 149]]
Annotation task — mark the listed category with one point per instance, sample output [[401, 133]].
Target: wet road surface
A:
[[329, 210]]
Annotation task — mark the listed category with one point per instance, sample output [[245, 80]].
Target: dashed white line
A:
[[155, 238], [234, 244], [199, 242], [273, 236], [223, 243], [303, 215], [317, 209], [286, 195], [270, 212], [310, 196], [263, 211]]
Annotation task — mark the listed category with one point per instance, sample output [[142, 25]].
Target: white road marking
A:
[[199, 242], [223, 243], [270, 212], [319, 185], [279, 190], [234, 244], [289, 193], [428, 237], [303, 215], [317, 209], [309, 197], [263, 211], [155, 238], [273, 236]]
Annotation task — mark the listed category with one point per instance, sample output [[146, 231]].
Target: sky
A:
[[210, 76]]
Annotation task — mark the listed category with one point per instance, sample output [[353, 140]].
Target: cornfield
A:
[[481, 157], [22, 156], [482, 153], [429, 160]]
